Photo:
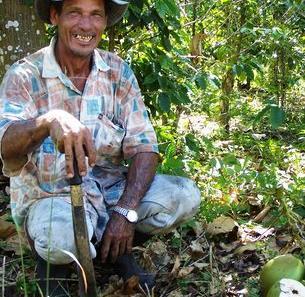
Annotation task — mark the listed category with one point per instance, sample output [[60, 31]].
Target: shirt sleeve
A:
[[140, 135], [15, 104]]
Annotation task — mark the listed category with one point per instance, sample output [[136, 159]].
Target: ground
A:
[[222, 258]]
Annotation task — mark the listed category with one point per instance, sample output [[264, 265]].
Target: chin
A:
[[82, 53]]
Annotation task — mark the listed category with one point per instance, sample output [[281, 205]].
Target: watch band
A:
[[120, 210], [130, 214]]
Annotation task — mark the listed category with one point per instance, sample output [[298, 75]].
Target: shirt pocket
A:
[[51, 167], [108, 138]]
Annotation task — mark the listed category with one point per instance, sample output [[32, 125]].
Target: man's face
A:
[[80, 25]]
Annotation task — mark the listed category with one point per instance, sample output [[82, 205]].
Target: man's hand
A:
[[117, 239], [71, 136]]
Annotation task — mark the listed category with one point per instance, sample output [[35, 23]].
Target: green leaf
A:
[[300, 210], [162, 82], [213, 79], [192, 142], [167, 8], [201, 81], [256, 66], [165, 62], [182, 97], [238, 69], [249, 72], [170, 151], [149, 79], [247, 30], [260, 115], [164, 102], [277, 116], [166, 42], [230, 159], [291, 63]]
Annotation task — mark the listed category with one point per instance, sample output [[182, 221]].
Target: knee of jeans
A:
[[189, 195], [54, 250]]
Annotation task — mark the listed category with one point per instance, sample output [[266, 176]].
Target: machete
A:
[[87, 278]]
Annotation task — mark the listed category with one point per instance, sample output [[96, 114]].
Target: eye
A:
[[73, 13], [99, 14]]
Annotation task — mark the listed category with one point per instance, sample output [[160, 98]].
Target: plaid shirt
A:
[[110, 106]]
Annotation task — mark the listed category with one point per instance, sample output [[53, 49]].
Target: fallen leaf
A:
[[254, 201], [158, 252], [221, 225], [176, 293], [196, 250], [213, 289], [198, 228], [6, 228], [13, 243], [185, 271], [114, 287], [147, 262], [283, 239], [200, 266], [230, 246], [131, 286], [176, 267], [158, 247], [251, 246]]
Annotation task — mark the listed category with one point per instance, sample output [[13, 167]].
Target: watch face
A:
[[132, 216]]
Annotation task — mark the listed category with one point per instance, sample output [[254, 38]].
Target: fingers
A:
[[69, 158], [71, 135], [90, 149], [122, 248], [81, 158], [81, 145], [115, 247], [129, 245], [105, 248]]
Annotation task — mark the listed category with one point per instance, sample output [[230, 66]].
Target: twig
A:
[[199, 237], [22, 260], [3, 273], [262, 214]]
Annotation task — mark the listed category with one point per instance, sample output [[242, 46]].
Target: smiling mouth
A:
[[83, 38]]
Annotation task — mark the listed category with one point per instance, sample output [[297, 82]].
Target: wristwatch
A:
[[130, 214]]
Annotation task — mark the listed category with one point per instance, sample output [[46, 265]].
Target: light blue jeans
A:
[[170, 201]]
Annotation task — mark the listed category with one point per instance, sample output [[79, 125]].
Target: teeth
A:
[[83, 38]]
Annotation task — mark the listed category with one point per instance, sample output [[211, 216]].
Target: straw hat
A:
[[115, 11]]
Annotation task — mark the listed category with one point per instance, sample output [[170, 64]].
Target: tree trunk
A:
[[283, 78], [227, 88], [228, 80], [112, 36], [21, 33]]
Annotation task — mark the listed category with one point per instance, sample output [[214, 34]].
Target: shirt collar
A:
[[52, 69]]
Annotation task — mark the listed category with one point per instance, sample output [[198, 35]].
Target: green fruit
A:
[[284, 266], [287, 288]]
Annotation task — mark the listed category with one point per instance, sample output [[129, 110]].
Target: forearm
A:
[[23, 137], [140, 176]]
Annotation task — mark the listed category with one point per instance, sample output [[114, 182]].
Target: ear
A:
[[53, 16]]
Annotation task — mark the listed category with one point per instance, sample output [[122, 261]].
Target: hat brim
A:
[[115, 11]]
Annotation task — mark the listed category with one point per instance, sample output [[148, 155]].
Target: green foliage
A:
[[182, 53], [276, 115]]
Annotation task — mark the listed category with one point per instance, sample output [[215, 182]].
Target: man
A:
[[71, 100]]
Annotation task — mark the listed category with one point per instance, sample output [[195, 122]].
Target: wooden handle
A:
[[76, 179], [81, 235]]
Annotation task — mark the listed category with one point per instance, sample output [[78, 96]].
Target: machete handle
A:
[[76, 179]]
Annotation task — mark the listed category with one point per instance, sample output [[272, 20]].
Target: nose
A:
[[85, 22]]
